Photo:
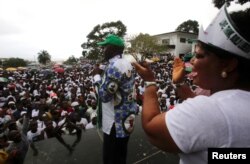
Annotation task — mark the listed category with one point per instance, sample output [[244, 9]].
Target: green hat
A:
[[112, 39]]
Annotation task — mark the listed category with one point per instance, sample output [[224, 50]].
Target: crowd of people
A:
[[42, 106], [186, 114]]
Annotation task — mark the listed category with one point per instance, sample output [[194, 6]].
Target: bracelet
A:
[[179, 84], [149, 83]]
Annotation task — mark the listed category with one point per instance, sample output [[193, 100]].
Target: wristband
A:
[[149, 83]]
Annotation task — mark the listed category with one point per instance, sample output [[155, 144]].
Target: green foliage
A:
[[43, 57], [14, 62], [71, 60], [145, 44], [220, 3], [98, 34], [84, 53], [191, 26]]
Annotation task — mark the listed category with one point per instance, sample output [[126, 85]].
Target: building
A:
[[177, 42]]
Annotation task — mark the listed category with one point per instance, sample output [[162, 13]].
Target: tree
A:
[[14, 62], [189, 26], [84, 53], [145, 44], [71, 60], [98, 34], [43, 57], [220, 3]]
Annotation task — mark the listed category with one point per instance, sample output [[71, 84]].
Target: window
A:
[[183, 40], [166, 41]]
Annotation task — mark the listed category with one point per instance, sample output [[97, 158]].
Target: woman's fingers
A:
[[140, 67], [144, 71]]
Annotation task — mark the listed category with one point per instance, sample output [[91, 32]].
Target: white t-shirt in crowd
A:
[[90, 126], [219, 121], [32, 137], [83, 122]]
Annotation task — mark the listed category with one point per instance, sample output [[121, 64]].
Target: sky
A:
[[61, 26]]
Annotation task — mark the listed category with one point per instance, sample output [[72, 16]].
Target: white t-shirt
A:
[[90, 126], [89, 111], [221, 120], [83, 122], [32, 137], [35, 113]]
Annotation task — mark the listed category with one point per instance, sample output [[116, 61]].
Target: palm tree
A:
[[43, 57]]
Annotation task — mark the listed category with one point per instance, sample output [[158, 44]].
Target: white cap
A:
[[23, 112], [223, 34], [11, 102], [22, 93], [75, 103], [164, 95]]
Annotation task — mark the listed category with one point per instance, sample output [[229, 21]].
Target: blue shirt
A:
[[116, 94]]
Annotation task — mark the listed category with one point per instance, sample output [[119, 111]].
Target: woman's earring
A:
[[224, 74]]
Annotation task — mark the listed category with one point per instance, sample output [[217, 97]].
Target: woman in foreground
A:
[[222, 120]]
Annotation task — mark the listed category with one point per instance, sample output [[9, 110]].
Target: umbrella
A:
[[59, 70], [45, 73], [155, 59], [21, 68], [3, 80], [11, 69]]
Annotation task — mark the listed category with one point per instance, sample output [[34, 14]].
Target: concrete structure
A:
[[177, 42], [89, 150]]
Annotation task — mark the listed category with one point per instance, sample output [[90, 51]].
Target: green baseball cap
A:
[[112, 39]]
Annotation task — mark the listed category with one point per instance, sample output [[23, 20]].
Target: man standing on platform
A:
[[116, 87]]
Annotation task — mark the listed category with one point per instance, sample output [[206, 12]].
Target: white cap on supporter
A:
[[22, 93], [11, 102], [10, 96], [164, 95], [75, 103], [22, 98], [23, 112], [36, 94], [223, 34], [172, 96]]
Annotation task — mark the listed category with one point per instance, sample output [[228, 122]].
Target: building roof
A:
[[177, 32]]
